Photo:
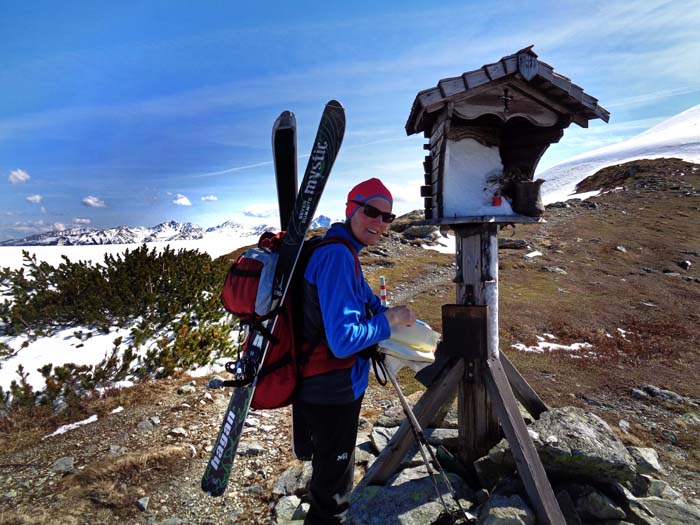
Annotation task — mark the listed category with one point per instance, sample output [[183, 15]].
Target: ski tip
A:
[[335, 103], [285, 120]]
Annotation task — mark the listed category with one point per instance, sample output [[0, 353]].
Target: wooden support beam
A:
[[441, 391], [522, 389], [477, 249], [527, 460]]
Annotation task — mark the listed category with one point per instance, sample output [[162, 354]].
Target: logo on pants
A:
[[343, 457]]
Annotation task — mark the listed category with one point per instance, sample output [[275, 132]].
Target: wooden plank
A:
[[431, 402], [472, 91], [510, 64], [580, 119], [464, 330], [545, 71], [451, 86], [475, 78], [414, 125], [438, 132], [429, 97], [478, 429], [527, 460], [478, 425], [522, 389], [441, 170], [576, 92], [563, 83], [495, 71], [538, 96], [589, 101]]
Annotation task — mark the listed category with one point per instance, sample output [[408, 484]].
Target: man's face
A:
[[369, 230]]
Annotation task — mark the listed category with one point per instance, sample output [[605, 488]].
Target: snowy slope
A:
[[678, 137]]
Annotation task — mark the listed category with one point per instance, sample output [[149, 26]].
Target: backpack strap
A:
[[336, 240], [303, 356]]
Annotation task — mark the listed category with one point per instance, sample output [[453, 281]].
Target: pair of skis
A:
[[298, 214]]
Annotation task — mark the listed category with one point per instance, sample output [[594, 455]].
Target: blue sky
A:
[[133, 113]]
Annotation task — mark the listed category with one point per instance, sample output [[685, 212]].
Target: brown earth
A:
[[610, 263]]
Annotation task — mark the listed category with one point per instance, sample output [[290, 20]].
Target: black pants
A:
[[333, 430]]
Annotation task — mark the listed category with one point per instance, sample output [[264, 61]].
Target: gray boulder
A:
[[426, 231], [646, 460], [409, 500], [380, 436], [293, 481], [64, 465], [570, 442], [285, 508], [672, 512], [506, 510], [597, 506]]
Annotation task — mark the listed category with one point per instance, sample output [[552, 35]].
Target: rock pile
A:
[[596, 479]]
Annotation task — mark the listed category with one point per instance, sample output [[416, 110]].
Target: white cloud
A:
[[35, 199], [59, 226], [18, 177], [43, 210], [182, 200], [94, 202], [406, 192], [260, 210], [210, 198], [81, 220]]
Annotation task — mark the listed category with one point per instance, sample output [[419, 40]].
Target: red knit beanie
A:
[[366, 191]]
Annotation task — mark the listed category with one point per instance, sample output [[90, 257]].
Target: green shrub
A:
[[174, 294]]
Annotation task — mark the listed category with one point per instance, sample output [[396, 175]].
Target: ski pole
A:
[[422, 443]]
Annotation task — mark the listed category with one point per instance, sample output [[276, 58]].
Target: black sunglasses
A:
[[373, 212]]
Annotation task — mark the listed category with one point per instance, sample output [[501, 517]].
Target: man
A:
[[343, 320]]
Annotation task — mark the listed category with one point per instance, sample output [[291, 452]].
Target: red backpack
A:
[[247, 294]]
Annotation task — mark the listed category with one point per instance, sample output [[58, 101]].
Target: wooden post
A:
[[478, 425], [485, 381]]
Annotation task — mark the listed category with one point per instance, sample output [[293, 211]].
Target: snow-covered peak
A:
[[243, 228], [174, 231], [677, 137], [322, 221]]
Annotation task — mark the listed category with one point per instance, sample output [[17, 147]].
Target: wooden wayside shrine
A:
[[487, 130]]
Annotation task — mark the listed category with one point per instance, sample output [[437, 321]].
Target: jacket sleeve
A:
[[342, 297]]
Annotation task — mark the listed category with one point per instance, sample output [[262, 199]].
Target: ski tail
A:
[[325, 150]]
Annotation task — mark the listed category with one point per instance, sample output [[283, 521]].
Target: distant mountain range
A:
[[166, 231]]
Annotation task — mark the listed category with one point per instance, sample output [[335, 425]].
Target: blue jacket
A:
[[342, 298]]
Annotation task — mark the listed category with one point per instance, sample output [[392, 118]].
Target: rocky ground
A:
[[620, 271]]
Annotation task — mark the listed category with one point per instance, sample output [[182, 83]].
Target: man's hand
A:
[[400, 315]]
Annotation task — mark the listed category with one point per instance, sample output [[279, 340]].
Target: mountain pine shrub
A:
[[170, 298]]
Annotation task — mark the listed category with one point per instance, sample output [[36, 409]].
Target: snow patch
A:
[[72, 426], [543, 345]]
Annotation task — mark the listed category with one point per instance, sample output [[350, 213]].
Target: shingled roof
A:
[[549, 87]]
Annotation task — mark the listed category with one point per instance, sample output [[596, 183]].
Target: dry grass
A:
[[117, 482], [25, 426]]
